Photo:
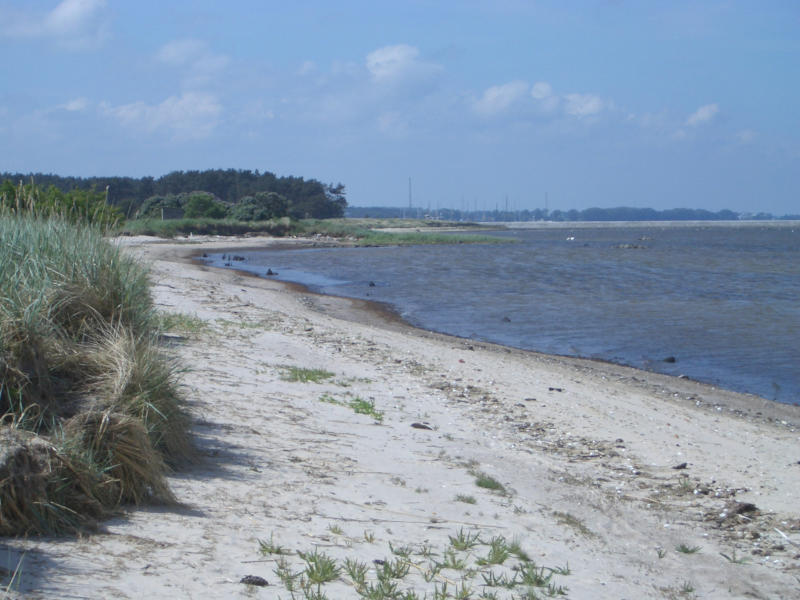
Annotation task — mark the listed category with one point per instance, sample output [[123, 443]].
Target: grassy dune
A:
[[91, 416]]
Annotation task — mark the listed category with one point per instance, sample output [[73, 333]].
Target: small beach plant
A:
[[460, 574], [303, 375]]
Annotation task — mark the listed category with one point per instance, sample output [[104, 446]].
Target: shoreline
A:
[[643, 484], [739, 401]]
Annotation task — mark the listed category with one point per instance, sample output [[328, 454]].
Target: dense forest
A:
[[294, 196], [621, 213]]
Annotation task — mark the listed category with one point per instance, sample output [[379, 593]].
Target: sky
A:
[[476, 103]]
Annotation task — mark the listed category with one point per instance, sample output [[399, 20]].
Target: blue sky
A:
[[594, 103]]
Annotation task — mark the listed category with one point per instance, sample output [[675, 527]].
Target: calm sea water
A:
[[722, 301]]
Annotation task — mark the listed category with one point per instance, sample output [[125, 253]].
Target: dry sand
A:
[[587, 453]]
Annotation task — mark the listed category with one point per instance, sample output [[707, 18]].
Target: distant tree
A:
[[306, 197], [151, 208], [261, 207], [203, 205]]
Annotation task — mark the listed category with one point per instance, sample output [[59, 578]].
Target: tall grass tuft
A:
[[81, 370]]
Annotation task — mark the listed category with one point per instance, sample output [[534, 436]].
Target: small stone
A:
[[680, 466], [254, 580], [422, 426]]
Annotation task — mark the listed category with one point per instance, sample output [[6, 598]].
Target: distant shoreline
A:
[[635, 224]]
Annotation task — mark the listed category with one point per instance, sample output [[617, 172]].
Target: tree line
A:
[[293, 196]]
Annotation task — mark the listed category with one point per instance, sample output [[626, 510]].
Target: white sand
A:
[[585, 451]]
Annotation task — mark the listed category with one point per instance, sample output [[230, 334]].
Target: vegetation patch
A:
[[169, 228], [180, 323], [686, 549], [574, 522], [365, 407], [487, 482], [364, 232], [91, 416], [303, 375], [467, 567], [359, 405]]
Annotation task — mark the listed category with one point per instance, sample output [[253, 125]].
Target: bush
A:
[[261, 207], [202, 205]]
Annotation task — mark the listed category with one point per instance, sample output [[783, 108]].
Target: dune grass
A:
[[91, 416]]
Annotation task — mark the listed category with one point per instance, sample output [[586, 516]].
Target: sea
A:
[[715, 302]]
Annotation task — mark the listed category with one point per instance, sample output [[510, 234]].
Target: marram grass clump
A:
[[90, 411]]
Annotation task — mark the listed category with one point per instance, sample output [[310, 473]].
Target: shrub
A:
[[203, 205], [261, 207]]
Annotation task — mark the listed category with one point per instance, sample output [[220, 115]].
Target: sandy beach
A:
[[623, 484]]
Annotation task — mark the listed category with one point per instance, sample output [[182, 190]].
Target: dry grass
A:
[[132, 469]]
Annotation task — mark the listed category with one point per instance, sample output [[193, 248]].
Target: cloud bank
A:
[[192, 115], [72, 23]]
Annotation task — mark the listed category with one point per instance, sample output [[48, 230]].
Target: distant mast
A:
[[409, 197]]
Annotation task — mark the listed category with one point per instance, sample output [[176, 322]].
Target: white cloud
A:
[[180, 52], [499, 98], [201, 65], [390, 61], [702, 115], [541, 90], [400, 64], [72, 23], [538, 100], [583, 105], [72, 16], [76, 105], [192, 115], [542, 93]]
